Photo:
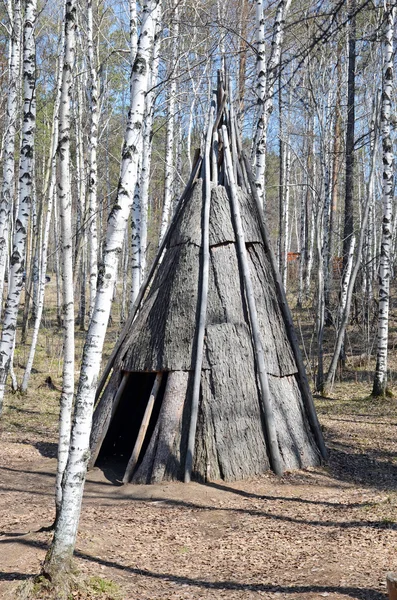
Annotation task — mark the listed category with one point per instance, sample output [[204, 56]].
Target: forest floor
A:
[[324, 532]]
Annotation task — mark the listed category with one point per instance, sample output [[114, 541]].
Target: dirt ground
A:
[[328, 532]]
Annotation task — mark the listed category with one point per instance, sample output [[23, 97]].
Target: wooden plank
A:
[[143, 429], [169, 421]]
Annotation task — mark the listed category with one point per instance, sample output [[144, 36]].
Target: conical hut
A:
[[207, 380]]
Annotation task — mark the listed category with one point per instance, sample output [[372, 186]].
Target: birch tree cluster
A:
[[103, 106]]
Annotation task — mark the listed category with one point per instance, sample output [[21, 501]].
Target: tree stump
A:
[[391, 580]]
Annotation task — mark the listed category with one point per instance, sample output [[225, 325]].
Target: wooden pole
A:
[[304, 384], [391, 580], [203, 300], [274, 451], [143, 429], [137, 303]]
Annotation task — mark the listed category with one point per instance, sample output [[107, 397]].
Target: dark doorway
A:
[[120, 439]]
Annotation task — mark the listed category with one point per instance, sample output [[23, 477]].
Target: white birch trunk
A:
[[286, 212], [351, 272], [124, 276], [302, 244], [136, 220], [60, 554], [135, 245], [346, 279], [380, 378], [65, 214], [169, 144], [311, 224], [8, 185], [57, 262], [26, 174], [266, 78], [80, 267], [93, 171], [320, 299], [49, 189], [147, 146], [133, 31]]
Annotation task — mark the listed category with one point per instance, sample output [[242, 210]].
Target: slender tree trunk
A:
[[135, 245], [320, 299], [124, 274], [147, 147], [310, 216], [65, 213], [93, 175], [57, 263], [169, 144], [58, 560], [380, 378], [242, 66], [26, 175], [352, 272], [266, 78], [302, 242], [349, 183], [336, 152], [136, 206], [326, 239], [80, 266], [49, 189], [8, 185]]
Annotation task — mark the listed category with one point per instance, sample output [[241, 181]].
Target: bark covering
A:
[[231, 439]]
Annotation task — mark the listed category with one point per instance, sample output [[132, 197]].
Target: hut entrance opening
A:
[[124, 428]]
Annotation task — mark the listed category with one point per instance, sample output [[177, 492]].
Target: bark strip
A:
[[203, 301], [304, 384], [273, 449], [143, 429]]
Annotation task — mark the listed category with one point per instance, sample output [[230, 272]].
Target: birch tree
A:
[[147, 146], [65, 213], [380, 378], [26, 175], [266, 78], [58, 560], [350, 132], [49, 191], [8, 184], [136, 246], [169, 144], [92, 175]]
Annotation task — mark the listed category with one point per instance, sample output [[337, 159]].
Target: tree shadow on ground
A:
[[47, 449], [374, 468], [224, 585], [296, 499], [172, 503]]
